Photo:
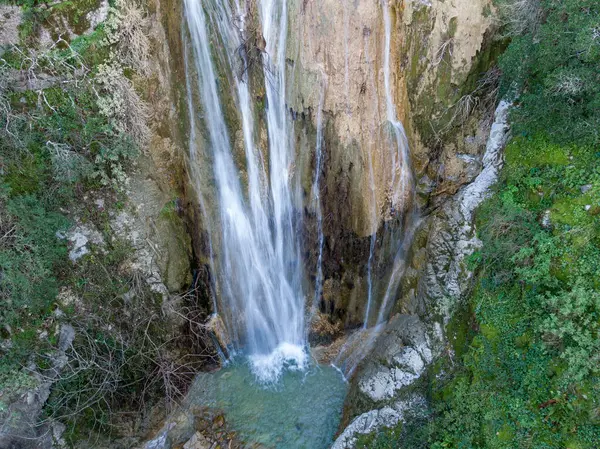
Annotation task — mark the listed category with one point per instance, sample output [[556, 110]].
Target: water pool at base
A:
[[301, 411]]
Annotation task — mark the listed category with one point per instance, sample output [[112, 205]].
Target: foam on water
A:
[[269, 368]]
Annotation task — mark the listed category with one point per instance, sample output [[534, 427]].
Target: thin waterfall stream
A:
[[316, 198]]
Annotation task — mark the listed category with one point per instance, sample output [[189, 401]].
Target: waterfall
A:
[[257, 260], [402, 185], [400, 157], [251, 203], [316, 198]]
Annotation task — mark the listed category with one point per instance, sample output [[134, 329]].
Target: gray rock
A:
[[545, 222], [198, 441], [67, 335], [79, 238], [399, 358], [20, 427], [452, 237], [373, 420]]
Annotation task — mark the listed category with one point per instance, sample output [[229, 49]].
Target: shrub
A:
[[520, 16], [121, 104], [554, 68], [127, 27]]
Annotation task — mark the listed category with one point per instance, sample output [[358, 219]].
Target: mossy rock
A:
[[176, 244]]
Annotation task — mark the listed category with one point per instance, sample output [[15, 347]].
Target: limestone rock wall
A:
[[336, 59], [395, 371], [336, 48]]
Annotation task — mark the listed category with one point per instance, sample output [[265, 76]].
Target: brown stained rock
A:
[[342, 49], [198, 441], [218, 422], [216, 327]]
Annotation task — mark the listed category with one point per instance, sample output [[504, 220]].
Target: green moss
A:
[[571, 211], [169, 211], [91, 47], [74, 12], [26, 176], [459, 330], [452, 27], [532, 153]]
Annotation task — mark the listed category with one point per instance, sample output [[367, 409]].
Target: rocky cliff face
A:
[[336, 61], [336, 72], [336, 58], [336, 49], [390, 382]]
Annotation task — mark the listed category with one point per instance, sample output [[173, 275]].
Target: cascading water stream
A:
[[195, 175], [259, 245], [400, 158], [402, 185], [316, 198]]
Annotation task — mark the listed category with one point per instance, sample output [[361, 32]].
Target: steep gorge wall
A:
[[440, 51], [335, 61], [336, 57], [338, 48]]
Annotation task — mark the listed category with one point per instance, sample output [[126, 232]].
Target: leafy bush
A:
[[571, 329], [554, 68]]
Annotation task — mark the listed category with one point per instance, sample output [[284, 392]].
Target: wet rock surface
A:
[[452, 234], [374, 420], [197, 428]]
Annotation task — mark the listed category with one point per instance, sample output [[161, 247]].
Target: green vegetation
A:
[[555, 71], [71, 127], [55, 145], [528, 375]]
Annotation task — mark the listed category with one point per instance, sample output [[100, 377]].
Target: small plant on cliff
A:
[[127, 30], [120, 103], [520, 16]]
